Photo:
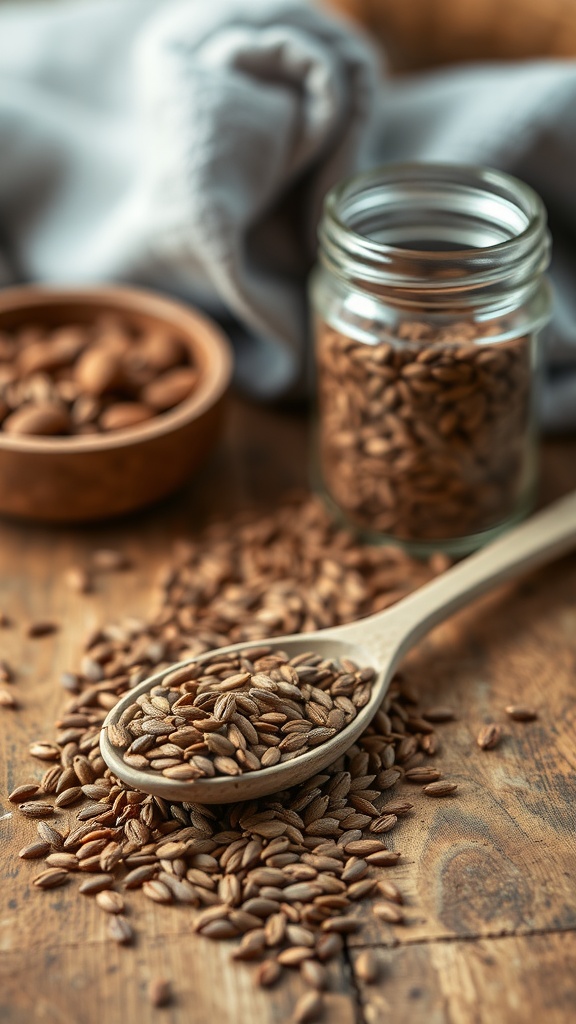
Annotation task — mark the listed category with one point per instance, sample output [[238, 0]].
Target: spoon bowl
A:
[[379, 642]]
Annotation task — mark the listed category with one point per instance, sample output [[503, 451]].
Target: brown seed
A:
[[159, 992], [39, 418], [439, 714], [22, 793], [157, 891], [34, 850], [390, 891], [96, 884], [36, 809], [366, 966], [109, 901], [42, 628], [7, 699], [521, 713], [421, 774], [78, 580], [122, 415], [51, 878], [109, 560], [309, 1008], [120, 931], [389, 912], [328, 946], [268, 973], [441, 788], [170, 388], [314, 974], [489, 736]]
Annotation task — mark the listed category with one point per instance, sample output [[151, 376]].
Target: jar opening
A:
[[435, 229]]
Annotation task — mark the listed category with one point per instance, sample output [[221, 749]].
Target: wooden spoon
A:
[[379, 641]]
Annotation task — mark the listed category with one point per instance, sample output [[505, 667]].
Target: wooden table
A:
[[490, 877]]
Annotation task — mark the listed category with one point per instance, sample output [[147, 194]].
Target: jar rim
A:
[[515, 260]]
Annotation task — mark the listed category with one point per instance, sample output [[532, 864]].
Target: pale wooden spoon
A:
[[380, 641]]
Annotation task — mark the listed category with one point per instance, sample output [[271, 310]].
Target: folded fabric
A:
[[188, 146], [183, 145]]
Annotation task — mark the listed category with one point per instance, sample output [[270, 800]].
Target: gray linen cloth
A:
[[187, 145]]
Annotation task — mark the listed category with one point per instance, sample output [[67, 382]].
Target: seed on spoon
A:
[[236, 713]]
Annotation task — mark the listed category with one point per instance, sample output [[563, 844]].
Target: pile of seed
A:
[[239, 713], [425, 435], [86, 378], [283, 875]]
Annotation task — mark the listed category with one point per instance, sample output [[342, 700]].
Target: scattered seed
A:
[[441, 788], [120, 931], [159, 992], [36, 809], [109, 901], [439, 714], [389, 912], [489, 736], [51, 878], [42, 628], [366, 966], [308, 1008], [521, 713], [23, 793]]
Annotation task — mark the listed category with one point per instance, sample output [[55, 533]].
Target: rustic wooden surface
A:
[[490, 877]]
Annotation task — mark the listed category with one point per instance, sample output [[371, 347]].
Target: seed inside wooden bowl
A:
[[89, 378]]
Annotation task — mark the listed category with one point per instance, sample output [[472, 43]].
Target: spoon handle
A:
[[540, 539]]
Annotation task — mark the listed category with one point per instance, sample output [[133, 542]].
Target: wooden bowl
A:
[[66, 479]]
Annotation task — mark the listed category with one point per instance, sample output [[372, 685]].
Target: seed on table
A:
[[51, 878], [441, 788], [50, 835], [36, 809], [157, 891], [109, 560], [521, 712], [489, 736], [34, 850], [135, 878], [78, 580], [120, 930], [308, 1009], [7, 699], [6, 672], [389, 891], [159, 992], [295, 955], [389, 912], [422, 775], [44, 751], [110, 901], [366, 966], [314, 974], [383, 858], [68, 861], [219, 930], [69, 796], [341, 925], [397, 807], [439, 713], [42, 628], [96, 884], [23, 793], [268, 973]]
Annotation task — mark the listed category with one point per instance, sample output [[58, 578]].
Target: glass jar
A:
[[428, 296]]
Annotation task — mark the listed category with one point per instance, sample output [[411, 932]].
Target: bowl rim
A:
[[211, 341]]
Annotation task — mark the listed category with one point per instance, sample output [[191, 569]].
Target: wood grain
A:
[[489, 876]]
